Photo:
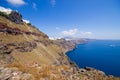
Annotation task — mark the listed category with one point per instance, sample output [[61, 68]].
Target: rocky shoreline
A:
[[88, 72]]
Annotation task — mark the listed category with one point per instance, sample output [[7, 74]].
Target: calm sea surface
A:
[[100, 54]]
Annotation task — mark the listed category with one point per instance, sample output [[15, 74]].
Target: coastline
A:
[[81, 70]]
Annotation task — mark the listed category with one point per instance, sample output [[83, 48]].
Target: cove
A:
[[100, 54]]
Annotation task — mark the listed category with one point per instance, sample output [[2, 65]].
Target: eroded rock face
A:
[[5, 50], [26, 46], [16, 31], [68, 45], [5, 54], [22, 47], [16, 17]]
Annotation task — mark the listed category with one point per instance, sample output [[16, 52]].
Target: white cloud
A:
[[86, 33], [6, 10], [76, 33], [26, 21], [16, 2], [54, 38], [70, 32], [34, 5], [51, 38], [57, 28], [53, 3]]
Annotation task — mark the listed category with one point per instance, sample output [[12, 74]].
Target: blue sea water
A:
[[100, 54]]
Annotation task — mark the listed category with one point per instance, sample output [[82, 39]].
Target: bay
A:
[[100, 54]]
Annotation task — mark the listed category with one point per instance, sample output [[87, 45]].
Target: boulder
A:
[[16, 17], [88, 68]]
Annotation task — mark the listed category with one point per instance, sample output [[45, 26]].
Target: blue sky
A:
[[98, 19]]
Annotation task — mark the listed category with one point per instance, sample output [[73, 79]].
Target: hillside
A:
[[28, 54]]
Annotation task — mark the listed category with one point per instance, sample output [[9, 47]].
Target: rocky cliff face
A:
[[27, 54], [16, 17], [68, 45], [24, 49]]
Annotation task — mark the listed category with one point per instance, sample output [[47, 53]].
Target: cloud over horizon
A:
[[76, 33], [16, 2], [86, 33], [70, 32]]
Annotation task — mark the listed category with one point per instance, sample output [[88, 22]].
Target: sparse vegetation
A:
[[50, 72], [3, 14], [29, 24]]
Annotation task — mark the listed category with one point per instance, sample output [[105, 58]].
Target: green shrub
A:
[[3, 14], [29, 24]]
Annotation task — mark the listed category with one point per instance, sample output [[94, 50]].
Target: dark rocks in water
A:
[[16, 17], [88, 68]]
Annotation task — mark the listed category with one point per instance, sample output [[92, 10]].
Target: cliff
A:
[[68, 45], [28, 54]]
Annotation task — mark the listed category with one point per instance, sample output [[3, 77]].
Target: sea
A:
[[99, 54]]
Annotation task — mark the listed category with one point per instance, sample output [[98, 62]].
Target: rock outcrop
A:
[[16, 17], [16, 31]]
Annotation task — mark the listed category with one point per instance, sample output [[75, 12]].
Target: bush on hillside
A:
[[29, 24], [3, 14]]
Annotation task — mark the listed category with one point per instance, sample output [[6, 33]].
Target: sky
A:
[[95, 19]]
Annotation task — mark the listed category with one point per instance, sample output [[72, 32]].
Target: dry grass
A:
[[41, 54], [6, 38], [45, 71]]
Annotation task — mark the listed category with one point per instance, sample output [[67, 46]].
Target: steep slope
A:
[[28, 54], [24, 47], [26, 43]]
